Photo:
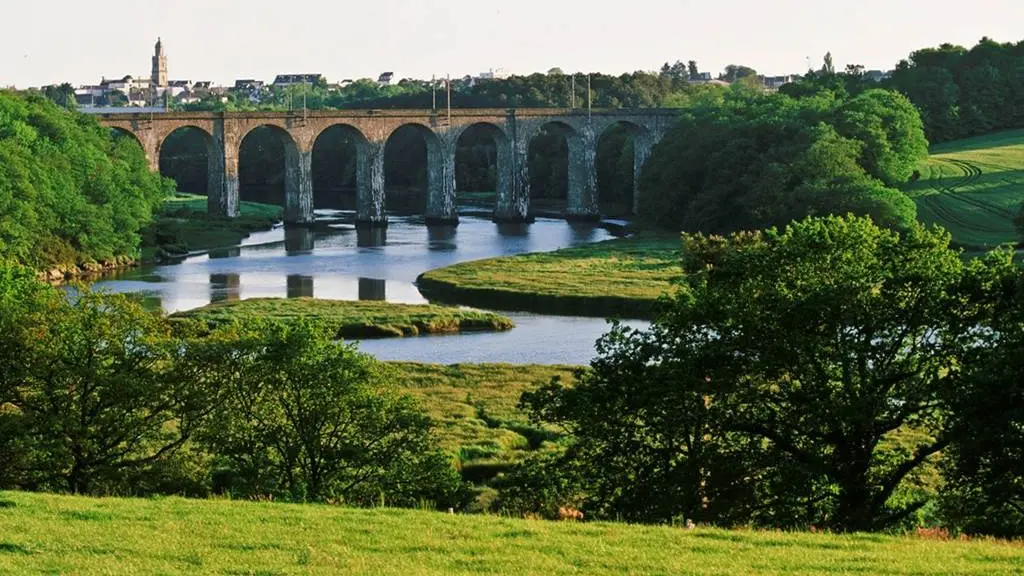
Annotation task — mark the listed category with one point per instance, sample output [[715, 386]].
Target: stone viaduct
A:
[[512, 131]]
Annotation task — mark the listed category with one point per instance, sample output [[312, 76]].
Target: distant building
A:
[[773, 83], [248, 84], [282, 80], [701, 78], [250, 88], [158, 79], [493, 74], [385, 79]]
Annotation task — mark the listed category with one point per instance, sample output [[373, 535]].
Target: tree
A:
[[770, 388], [983, 468], [62, 95], [734, 72], [99, 391], [70, 192], [747, 160], [302, 416], [891, 131], [693, 70], [828, 67]]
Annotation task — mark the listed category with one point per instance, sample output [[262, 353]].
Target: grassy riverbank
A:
[[74, 535], [183, 226], [475, 414], [355, 320], [620, 278], [974, 188]]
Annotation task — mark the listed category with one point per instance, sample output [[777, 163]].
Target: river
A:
[[338, 262]]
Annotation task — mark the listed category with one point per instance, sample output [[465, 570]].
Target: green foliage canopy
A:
[[70, 192], [771, 389], [747, 160]]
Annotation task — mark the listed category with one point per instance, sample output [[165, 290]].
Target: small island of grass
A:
[[182, 227], [357, 320], [619, 278]]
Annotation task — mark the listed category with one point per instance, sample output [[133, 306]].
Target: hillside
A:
[[61, 534], [974, 188]]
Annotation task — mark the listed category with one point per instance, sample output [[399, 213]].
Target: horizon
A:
[[417, 39]]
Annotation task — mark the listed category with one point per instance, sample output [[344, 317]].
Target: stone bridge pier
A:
[[369, 130]]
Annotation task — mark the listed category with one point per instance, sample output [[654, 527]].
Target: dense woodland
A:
[[959, 92], [742, 160], [70, 193]]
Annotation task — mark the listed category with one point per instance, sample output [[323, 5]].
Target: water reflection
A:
[[225, 287], [367, 237], [299, 286], [372, 289], [514, 229], [226, 253], [584, 232], [298, 240], [340, 266], [442, 237]]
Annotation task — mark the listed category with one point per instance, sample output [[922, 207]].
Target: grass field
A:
[[45, 534], [355, 320], [474, 410], [182, 226], [974, 189], [622, 277]]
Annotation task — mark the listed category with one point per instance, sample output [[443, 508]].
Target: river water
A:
[[336, 261]]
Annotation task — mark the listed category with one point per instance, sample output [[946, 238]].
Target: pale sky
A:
[[55, 41]]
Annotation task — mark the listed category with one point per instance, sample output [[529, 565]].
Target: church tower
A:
[[159, 77]]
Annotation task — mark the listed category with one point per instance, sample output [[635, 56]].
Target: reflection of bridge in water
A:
[[228, 288], [511, 131], [301, 240]]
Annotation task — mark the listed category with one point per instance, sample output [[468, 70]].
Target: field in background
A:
[[974, 189], [86, 536]]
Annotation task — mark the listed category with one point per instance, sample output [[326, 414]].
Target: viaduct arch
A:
[[511, 129]]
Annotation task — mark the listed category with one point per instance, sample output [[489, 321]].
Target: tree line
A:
[[743, 159], [959, 92], [100, 396], [70, 192], [834, 374]]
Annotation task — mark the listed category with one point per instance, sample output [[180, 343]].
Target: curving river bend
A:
[[338, 262]]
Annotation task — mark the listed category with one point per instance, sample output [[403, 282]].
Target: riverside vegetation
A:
[[803, 377], [355, 320], [182, 226], [618, 278], [71, 195]]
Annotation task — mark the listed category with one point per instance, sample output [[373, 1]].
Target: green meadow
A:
[[621, 278], [49, 534], [974, 189], [353, 320]]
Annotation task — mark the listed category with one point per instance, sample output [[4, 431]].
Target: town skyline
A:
[[233, 40]]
